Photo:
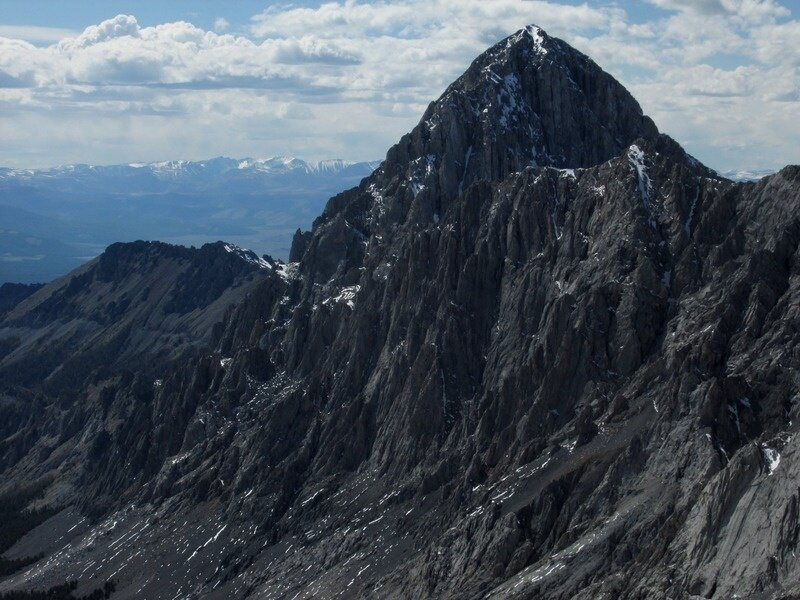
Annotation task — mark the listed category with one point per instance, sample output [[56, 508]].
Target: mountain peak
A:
[[532, 36], [530, 99]]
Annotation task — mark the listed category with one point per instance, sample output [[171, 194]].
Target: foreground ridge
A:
[[540, 352]]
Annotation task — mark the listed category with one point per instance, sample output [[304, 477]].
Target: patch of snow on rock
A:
[[346, 296], [248, 256], [287, 271], [538, 39], [772, 458]]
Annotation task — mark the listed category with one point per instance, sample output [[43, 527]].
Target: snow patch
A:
[[311, 497], [287, 271], [378, 202], [421, 168], [636, 158], [507, 99], [688, 225], [538, 39], [772, 457], [248, 256], [346, 296]]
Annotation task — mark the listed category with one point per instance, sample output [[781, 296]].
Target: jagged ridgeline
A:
[[539, 352]]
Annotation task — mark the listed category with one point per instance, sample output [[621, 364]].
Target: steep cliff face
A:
[[540, 352], [82, 360], [530, 100], [134, 303]]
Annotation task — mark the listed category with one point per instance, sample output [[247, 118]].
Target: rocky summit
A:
[[540, 352]]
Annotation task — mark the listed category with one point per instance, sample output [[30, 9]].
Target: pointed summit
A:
[[533, 38], [530, 99]]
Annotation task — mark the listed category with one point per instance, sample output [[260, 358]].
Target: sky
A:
[[104, 82]]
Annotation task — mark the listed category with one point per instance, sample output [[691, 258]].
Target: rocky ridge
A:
[[540, 351]]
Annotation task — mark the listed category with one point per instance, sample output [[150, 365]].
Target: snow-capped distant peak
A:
[[191, 173], [170, 165], [745, 175]]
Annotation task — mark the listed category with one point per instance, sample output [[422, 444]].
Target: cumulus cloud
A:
[[347, 77], [119, 27], [414, 19], [119, 51]]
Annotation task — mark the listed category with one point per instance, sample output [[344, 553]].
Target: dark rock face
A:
[[540, 352], [81, 360], [133, 303], [530, 100], [12, 294]]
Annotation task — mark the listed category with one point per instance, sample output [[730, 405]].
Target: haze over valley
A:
[[53, 220]]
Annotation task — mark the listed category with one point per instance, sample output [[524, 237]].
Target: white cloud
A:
[[753, 10], [32, 33], [778, 44], [413, 19], [221, 24], [118, 27], [349, 77]]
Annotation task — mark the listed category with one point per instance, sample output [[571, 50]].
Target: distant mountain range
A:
[[52, 220], [744, 175]]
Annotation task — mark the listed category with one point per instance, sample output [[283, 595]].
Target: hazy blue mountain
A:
[[52, 220], [743, 175]]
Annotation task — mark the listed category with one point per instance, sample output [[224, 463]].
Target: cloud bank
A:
[[347, 78]]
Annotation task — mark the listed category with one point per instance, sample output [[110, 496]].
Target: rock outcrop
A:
[[539, 352]]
